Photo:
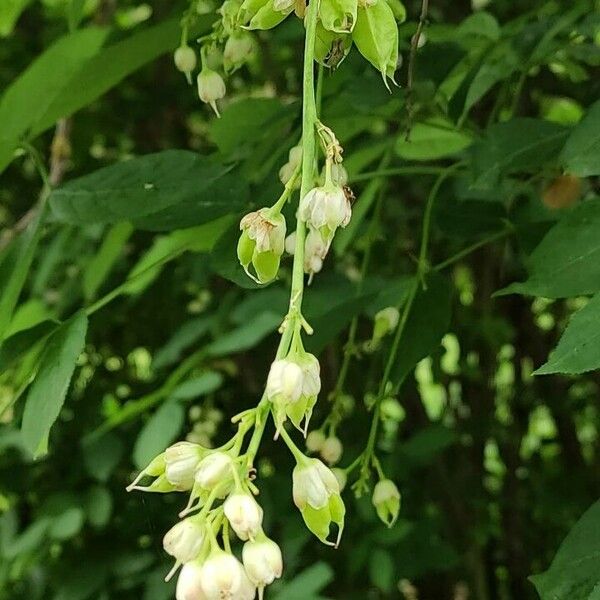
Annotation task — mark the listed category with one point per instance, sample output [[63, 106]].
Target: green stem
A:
[[417, 170], [298, 454], [287, 190], [309, 119], [469, 249]]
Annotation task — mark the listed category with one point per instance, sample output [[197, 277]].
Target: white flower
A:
[[315, 440], [211, 87], [326, 205], [313, 484], [189, 583], [331, 450], [290, 243], [285, 381], [238, 48], [223, 578], [311, 372], [263, 562], [386, 500], [315, 251], [184, 540], [267, 230], [213, 470], [244, 515], [181, 460], [341, 476]]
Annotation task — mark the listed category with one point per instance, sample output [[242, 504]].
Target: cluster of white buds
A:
[[262, 243], [386, 500], [316, 492], [209, 572], [293, 385], [330, 448]]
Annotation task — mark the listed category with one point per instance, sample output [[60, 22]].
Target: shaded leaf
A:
[[567, 261], [578, 350], [48, 391], [431, 140], [581, 154]]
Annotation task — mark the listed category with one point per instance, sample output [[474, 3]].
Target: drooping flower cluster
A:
[[208, 571]]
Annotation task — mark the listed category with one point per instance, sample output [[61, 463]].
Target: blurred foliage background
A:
[[495, 464]]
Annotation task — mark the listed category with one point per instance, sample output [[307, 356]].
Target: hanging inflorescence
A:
[[220, 483]]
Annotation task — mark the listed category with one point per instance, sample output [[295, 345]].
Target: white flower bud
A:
[[185, 59], [238, 49], [294, 160], [386, 320], [386, 500], [331, 451], [311, 371], [223, 578], [189, 583], [263, 562], [315, 440], [339, 175], [315, 251], [285, 381], [181, 461], [214, 469], [244, 515], [290, 243], [211, 87], [341, 477], [313, 484], [326, 206], [184, 540]]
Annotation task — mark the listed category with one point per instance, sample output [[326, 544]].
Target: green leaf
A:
[[97, 270], [98, 506], [519, 145], [567, 261], [158, 433], [198, 386], [168, 247], [110, 66], [428, 321], [189, 333], [246, 336], [49, 76], [18, 344], [581, 154], [14, 267], [573, 574], [10, 11], [47, 394], [307, 584], [431, 140], [578, 350], [163, 191], [102, 455]]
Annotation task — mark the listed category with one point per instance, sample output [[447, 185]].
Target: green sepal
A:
[[318, 521], [245, 249], [301, 410], [388, 511], [161, 485], [376, 37], [398, 9], [267, 17], [249, 8], [338, 15], [331, 48], [266, 265]]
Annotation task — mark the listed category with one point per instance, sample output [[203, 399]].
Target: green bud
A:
[[386, 320], [376, 37], [338, 15], [392, 410], [229, 11], [386, 500]]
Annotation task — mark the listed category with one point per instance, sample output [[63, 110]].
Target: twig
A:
[[414, 46]]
